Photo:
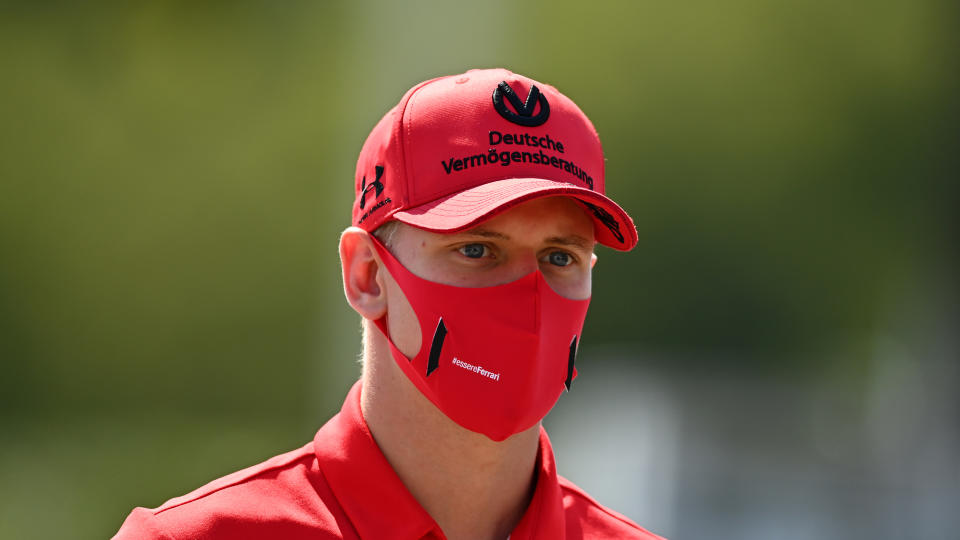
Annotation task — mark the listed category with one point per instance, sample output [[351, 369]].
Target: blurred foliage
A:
[[173, 177]]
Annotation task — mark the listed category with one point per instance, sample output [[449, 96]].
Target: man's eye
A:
[[559, 258], [474, 251]]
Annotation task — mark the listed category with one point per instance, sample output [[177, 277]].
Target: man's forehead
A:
[[562, 215], [558, 220], [574, 240], [552, 220]]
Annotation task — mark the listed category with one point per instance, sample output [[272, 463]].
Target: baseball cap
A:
[[459, 149]]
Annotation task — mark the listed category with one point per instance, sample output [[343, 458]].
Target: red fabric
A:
[[341, 486], [445, 159], [523, 370]]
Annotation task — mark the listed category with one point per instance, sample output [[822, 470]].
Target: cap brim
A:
[[612, 225]]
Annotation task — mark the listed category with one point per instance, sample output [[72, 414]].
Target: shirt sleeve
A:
[[141, 524]]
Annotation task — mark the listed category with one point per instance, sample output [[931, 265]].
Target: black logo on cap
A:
[[524, 115], [607, 219], [375, 185]]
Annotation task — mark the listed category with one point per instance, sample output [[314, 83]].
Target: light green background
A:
[[173, 178]]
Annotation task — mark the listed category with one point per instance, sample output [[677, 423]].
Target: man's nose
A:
[[520, 265], [525, 264]]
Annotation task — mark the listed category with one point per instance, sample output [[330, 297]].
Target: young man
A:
[[479, 199]]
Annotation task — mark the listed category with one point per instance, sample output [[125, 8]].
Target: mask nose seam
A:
[[538, 307]]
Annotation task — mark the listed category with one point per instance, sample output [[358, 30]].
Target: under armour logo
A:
[[524, 115], [376, 184]]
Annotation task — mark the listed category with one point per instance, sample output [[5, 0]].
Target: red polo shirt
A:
[[341, 486]]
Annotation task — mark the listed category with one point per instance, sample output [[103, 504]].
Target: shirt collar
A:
[[380, 506], [544, 517]]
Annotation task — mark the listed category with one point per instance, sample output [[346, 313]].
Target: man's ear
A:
[[593, 260], [362, 280]]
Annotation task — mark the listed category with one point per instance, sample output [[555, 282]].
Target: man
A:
[[479, 199]]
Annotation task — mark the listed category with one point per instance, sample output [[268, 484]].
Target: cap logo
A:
[[607, 219], [376, 185], [524, 110]]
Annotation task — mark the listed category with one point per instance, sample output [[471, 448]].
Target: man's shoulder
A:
[[278, 496], [288, 467], [586, 518]]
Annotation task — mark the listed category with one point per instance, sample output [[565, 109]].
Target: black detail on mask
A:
[[375, 185], [607, 219], [438, 336], [573, 355], [524, 115]]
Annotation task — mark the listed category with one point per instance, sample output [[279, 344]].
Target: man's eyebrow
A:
[[572, 240], [486, 233]]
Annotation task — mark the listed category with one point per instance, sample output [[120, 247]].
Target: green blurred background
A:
[[174, 175]]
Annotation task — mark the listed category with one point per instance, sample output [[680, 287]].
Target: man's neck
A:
[[472, 486]]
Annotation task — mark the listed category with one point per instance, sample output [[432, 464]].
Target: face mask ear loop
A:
[[381, 323], [390, 264], [402, 275], [541, 281]]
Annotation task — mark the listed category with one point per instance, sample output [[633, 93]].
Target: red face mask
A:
[[493, 359]]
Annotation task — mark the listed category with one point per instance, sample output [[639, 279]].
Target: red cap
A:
[[457, 150]]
